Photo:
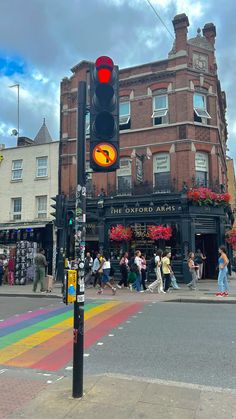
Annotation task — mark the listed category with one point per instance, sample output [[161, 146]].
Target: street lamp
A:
[[16, 132]]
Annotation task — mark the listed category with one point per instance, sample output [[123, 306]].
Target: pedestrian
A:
[[11, 269], [143, 271], [158, 283], [166, 269], [1, 271], [106, 267], [132, 276], [96, 270], [124, 270], [5, 270], [138, 263], [40, 265], [199, 260], [223, 287], [88, 264], [193, 270]]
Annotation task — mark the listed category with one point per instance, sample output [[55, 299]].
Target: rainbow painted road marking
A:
[[43, 338]]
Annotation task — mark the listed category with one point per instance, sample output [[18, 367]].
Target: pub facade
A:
[[173, 140]]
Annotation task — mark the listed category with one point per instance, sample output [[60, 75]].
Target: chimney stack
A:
[[209, 31], [181, 24]]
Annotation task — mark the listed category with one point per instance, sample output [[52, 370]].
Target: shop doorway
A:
[[209, 247]]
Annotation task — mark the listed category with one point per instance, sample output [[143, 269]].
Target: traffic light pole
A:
[[80, 234]]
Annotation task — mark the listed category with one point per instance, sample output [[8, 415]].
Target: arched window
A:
[[202, 168], [161, 172], [124, 177]]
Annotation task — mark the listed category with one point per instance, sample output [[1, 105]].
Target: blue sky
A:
[[41, 40]]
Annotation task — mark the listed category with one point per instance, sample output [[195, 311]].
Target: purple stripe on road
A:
[[25, 316]]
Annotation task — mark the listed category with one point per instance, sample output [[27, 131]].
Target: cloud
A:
[[41, 40]]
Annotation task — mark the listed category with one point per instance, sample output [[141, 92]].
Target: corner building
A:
[[173, 136]]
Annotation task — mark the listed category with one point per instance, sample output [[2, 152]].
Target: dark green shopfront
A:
[[193, 227]]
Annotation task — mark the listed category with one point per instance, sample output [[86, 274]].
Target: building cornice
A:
[[145, 78]]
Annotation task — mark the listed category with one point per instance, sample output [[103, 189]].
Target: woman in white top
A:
[[158, 283], [138, 263], [106, 267]]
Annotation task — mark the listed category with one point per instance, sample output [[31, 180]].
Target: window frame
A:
[[14, 170], [16, 215], [160, 113], [127, 176], [206, 172], [201, 112], [41, 168], [41, 214], [124, 119], [166, 172]]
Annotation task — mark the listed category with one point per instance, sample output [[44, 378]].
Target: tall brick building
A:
[[173, 136]]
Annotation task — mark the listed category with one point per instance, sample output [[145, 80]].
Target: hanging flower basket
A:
[[231, 237], [205, 196], [120, 233], [159, 232]]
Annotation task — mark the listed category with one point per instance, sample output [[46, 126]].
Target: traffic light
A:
[[70, 218], [58, 210], [104, 115]]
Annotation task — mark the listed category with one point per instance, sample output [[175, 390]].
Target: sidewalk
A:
[[204, 294], [121, 397]]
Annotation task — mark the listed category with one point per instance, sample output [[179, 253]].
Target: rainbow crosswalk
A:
[[42, 339]]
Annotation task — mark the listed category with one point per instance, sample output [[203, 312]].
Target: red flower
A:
[[231, 237], [207, 197], [159, 232], [120, 233]]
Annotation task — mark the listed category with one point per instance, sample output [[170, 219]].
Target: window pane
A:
[[16, 174], [42, 161], [42, 203], [199, 101], [17, 205], [161, 163], [16, 164], [201, 178], [124, 108], [160, 102], [162, 181], [42, 172], [124, 184]]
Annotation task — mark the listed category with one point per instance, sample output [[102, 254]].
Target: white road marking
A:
[[128, 321], [86, 355], [49, 382], [47, 375], [120, 328], [29, 311], [69, 368], [111, 335], [2, 371], [60, 378], [16, 315], [100, 343], [135, 317], [1, 320], [140, 312]]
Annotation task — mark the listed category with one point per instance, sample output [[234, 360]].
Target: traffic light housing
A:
[[104, 115], [58, 210], [70, 218]]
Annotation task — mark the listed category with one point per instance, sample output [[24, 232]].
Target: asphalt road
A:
[[193, 343]]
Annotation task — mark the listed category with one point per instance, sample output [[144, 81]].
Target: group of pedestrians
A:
[[7, 267]]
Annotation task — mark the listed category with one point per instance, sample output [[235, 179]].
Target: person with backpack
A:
[[199, 260], [158, 283], [88, 264], [124, 269]]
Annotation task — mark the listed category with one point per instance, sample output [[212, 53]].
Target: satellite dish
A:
[[14, 132]]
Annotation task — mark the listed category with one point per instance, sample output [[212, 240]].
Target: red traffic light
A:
[[104, 66]]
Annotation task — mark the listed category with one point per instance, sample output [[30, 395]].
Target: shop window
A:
[[16, 171], [124, 115], [200, 108], [16, 208], [160, 109], [41, 206], [202, 169], [41, 166], [161, 172], [124, 177]]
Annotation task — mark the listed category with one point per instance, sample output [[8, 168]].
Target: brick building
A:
[[173, 136]]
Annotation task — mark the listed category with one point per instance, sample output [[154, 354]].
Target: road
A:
[[193, 343]]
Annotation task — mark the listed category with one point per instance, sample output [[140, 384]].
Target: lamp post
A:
[[18, 108]]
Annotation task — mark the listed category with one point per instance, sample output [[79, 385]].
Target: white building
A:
[[28, 180]]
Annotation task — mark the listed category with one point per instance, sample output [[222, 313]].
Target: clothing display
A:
[[24, 266]]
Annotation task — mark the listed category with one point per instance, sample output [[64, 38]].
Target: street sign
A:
[[104, 154], [71, 286]]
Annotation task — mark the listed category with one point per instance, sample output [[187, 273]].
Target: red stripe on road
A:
[[63, 355]]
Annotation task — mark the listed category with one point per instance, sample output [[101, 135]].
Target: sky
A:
[[41, 40]]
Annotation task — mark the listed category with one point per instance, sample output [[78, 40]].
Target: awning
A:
[[21, 226]]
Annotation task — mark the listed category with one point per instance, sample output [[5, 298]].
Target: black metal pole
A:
[[80, 232]]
